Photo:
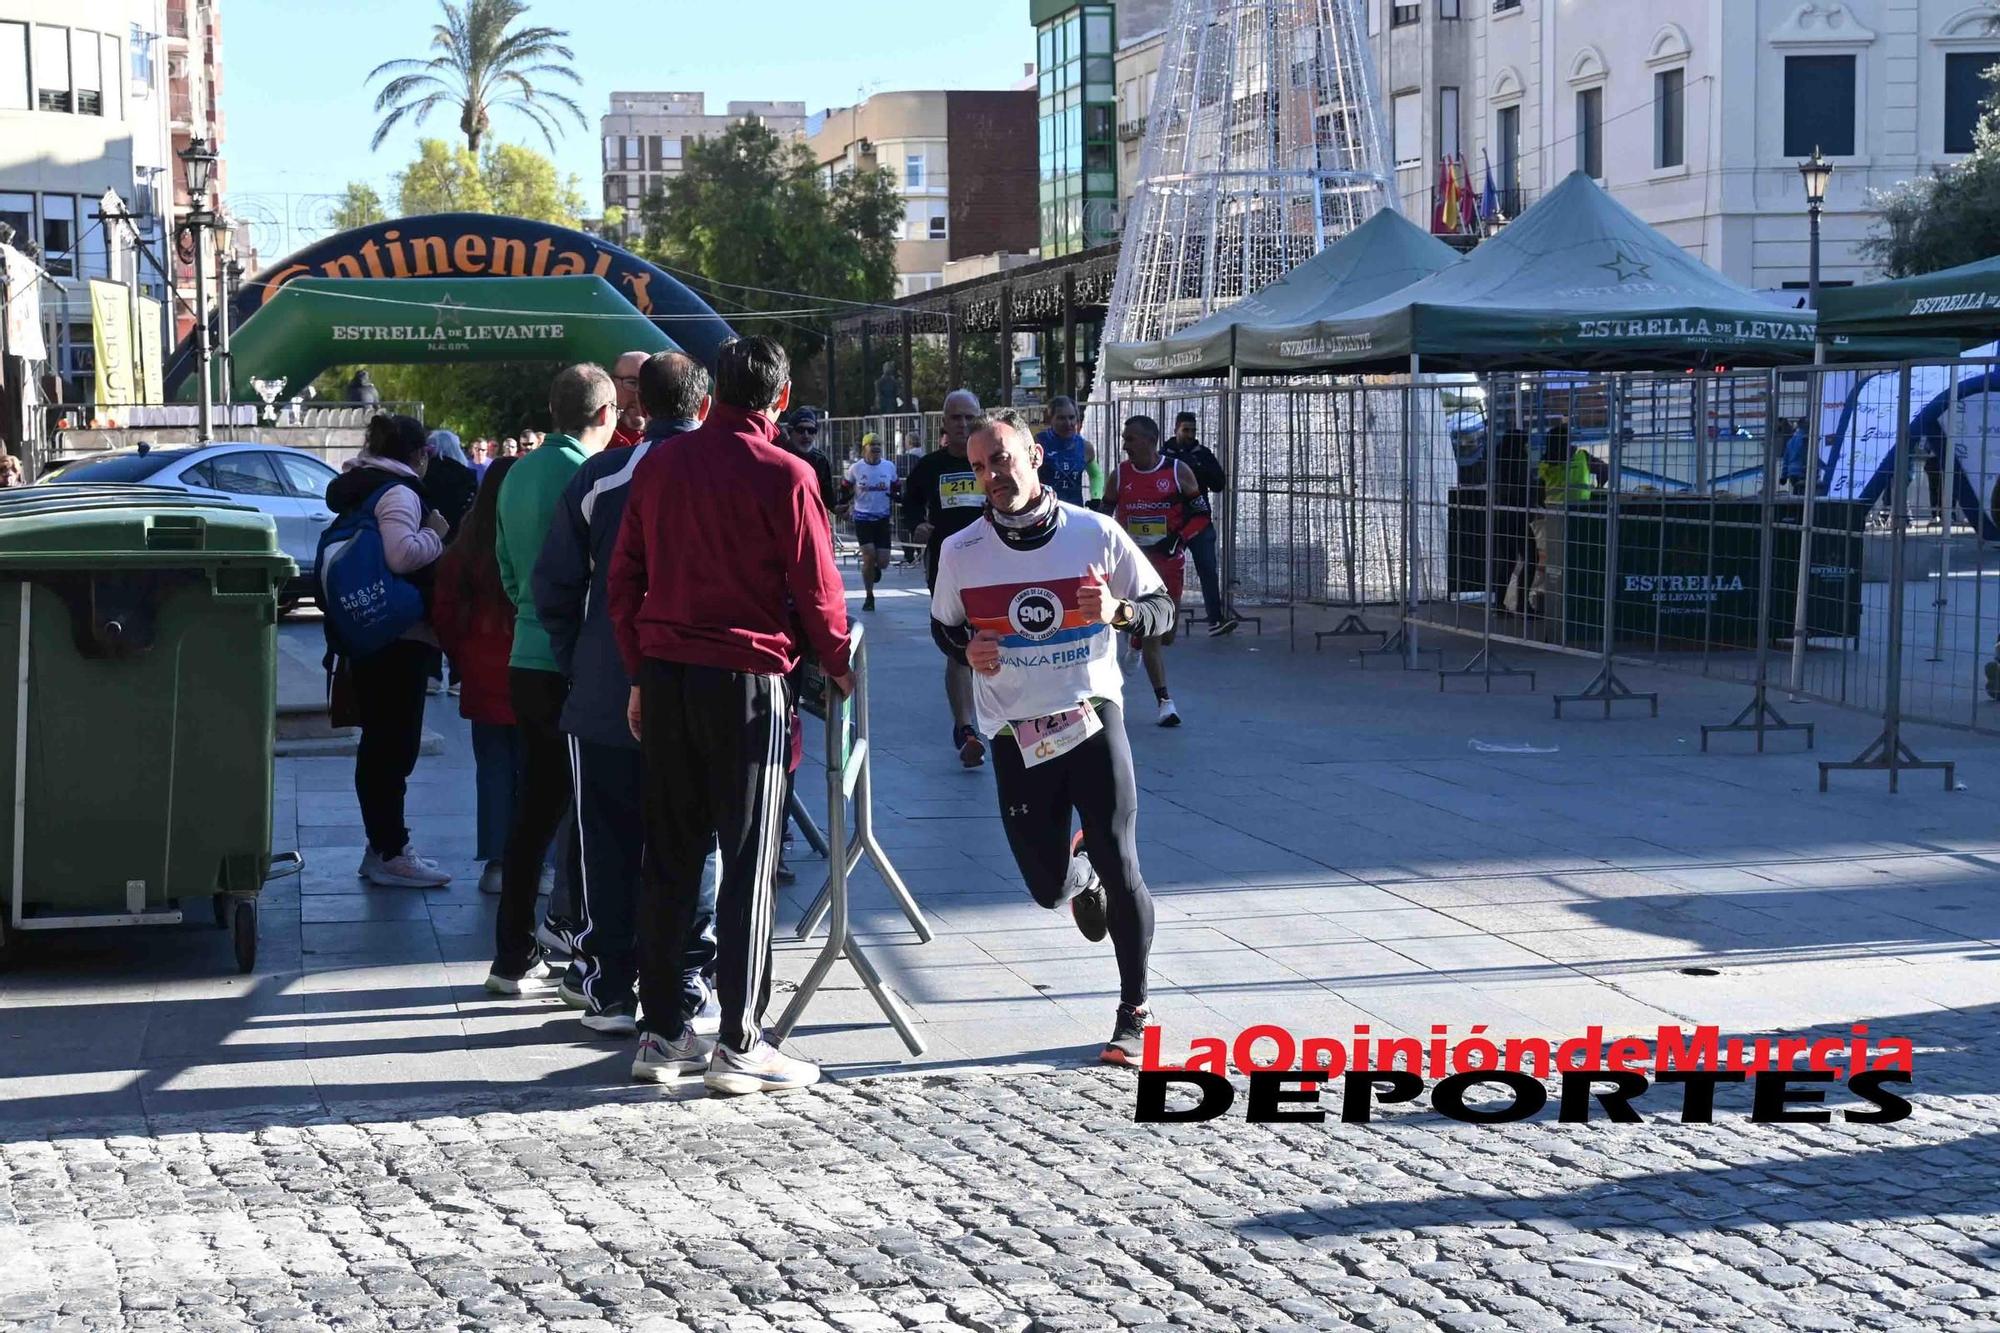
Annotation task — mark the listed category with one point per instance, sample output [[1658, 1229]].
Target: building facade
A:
[[85, 109], [1693, 113], [963, 163], [645, 137]]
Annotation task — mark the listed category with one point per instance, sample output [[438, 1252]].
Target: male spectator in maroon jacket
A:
[[724, 558]]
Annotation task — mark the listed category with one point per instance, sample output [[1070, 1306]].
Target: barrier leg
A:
[[802, 818], [1605, 687]]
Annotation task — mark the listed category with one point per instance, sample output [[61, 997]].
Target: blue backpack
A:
[[367, 605]]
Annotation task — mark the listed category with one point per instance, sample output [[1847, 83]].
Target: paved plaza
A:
[[358, 1137]]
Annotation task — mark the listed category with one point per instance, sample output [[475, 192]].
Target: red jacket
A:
[[479, 640], [725, 555]]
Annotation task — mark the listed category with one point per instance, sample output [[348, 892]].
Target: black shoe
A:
[[784, 874], [1088, 906], [1128, 1037], [1226, 625], [971, 749], [868, 602], [558, 935]]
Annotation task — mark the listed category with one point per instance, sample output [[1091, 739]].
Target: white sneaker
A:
[[489, 878], [406, 870], [762, 1068], [660, 1060], [370, 862], [1170, 716], [434, 687]]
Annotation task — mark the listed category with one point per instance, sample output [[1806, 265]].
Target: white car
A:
[[288, 484]]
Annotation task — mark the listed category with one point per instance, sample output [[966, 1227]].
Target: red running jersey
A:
[[1145, 501]]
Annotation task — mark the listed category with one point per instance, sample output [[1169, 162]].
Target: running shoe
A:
[[1128, 1037], [520, 978], [661, 1059], [784, 873], [762, 1068], [490, 878], [1088, 905], [557, 935], [406, 870], [971, 749], [434, 687], [570, 989], [868, 602], [1226, 625], [613, 1020], [699, 1003], [1170, 716]]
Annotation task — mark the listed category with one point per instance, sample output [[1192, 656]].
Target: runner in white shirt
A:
[[872, 479], [1032, 597]]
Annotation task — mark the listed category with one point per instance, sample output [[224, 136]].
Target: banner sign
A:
[[111, 333], [22, 306]]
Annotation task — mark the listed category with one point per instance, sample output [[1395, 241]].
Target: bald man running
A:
[[941, 498]]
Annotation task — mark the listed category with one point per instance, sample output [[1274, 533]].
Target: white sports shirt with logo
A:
[[1051, 658], [871, 487]]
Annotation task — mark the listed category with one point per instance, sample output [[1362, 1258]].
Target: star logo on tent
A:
[[1553, 333], [449, 310], [1625, 268]]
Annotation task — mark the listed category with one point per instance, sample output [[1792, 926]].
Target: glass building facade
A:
[[1076, 49]]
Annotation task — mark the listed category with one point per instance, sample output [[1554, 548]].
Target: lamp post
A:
[[198, 159], [1815, 173]]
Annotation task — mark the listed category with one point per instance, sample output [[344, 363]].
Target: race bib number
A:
[[1044, 738], [960, 490], [1145, 530]]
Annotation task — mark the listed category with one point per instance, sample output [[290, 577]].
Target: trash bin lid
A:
[[43, 526]]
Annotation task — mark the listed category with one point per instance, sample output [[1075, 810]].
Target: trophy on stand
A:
[[268, 391]]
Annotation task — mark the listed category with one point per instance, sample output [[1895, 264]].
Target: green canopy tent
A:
[[1576, 282], [310, 324], [1272, 330], [1960, 303]]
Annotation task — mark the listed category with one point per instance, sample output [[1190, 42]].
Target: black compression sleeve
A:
[[951, 639], [1152, 615]]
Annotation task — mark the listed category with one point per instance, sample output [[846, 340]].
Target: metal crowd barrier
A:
[[848, 778]]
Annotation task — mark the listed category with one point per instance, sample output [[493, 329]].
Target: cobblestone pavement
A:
[[983, 1201]]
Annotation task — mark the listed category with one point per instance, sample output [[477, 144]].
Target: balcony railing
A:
[[1130, 130], [1502, 6]]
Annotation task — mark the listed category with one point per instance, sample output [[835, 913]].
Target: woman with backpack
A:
[[475, 624], [376, 565]]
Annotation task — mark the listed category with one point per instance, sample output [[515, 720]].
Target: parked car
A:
[[288, 484]]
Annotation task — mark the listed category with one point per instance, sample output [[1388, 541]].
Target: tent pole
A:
[[1232, 448], [1816, 382], [1758, 715], [1605, 687], [1888, 752]]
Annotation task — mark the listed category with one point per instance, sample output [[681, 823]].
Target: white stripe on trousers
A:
[[586, 964], [764, 865]]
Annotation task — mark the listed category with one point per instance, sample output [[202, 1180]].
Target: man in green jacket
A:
[[583, 405]]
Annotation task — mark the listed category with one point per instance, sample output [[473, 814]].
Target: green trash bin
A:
[[138, 646]]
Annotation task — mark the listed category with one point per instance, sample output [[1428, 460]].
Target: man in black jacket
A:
[[1186, 447], [570, 598]]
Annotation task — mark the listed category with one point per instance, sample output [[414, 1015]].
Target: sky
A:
[[299, 106]]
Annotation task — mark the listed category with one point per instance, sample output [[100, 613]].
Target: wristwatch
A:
[[1122, 617]]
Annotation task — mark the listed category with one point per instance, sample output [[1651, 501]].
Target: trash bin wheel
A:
[[245, 921], [221, 904]]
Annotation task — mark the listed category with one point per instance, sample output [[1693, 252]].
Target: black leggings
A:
[[389, 692], [1096, 782]]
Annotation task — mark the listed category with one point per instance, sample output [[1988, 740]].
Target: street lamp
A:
[[1815, 173], [198, 161]]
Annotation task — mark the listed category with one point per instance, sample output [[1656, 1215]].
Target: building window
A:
[[141, 44], [83, 54], [59, 234], [1502, 6], [1590, 132], [14, 67], [913, 171], [52, 68], [18, 212], [611, 152], [1819, 105], [1409, 129], [1448, 121], [1670, 118], [1507, 138], [1448, 9], [95, 250], [114, 79], [1965, 94], [938, 222], [1402, 16]]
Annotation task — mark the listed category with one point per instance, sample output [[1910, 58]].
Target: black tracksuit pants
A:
[[541, 800], [717, 746], [1096, 782], [389, 693]]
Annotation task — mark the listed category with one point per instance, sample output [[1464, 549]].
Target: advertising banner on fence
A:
[[111, 333]]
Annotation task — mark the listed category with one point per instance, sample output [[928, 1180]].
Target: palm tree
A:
[[480, 67]]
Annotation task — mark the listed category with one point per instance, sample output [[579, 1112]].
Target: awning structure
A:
[[1962, 303], [1273, 329]]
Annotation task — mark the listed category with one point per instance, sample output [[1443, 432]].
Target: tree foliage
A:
[[751, 224], [359, 206], [1949, 217], [443, 179], [480, 67]]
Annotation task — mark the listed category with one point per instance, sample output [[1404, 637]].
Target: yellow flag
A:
[[111, 331], [152, 363]]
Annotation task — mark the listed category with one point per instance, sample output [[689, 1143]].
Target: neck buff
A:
[[1029, 528]]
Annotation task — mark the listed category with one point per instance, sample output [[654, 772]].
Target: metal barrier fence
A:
[[333, 432]]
